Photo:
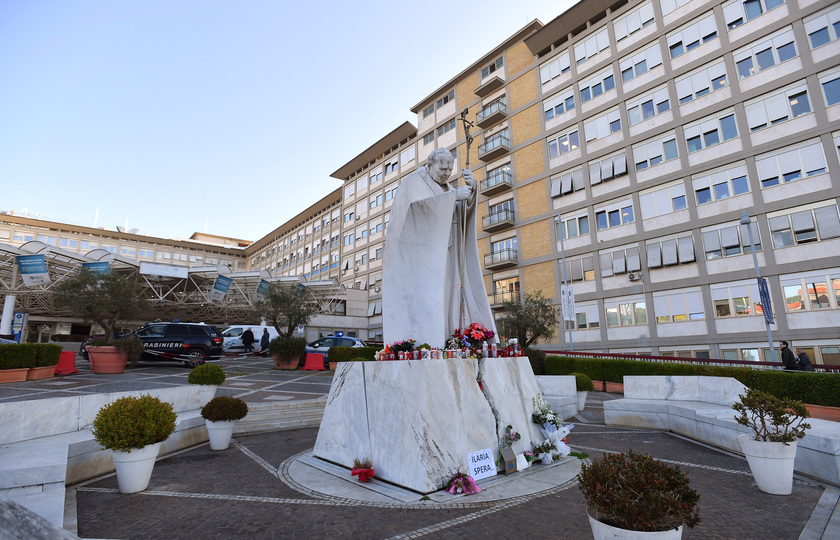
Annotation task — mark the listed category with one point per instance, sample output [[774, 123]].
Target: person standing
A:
[[248, 340], [803, 361], [264, 342], [787, 357]]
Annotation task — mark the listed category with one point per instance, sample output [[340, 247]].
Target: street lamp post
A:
[[565, 281], [746, 221]]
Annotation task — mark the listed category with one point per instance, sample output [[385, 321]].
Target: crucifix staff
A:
[[463, 212]]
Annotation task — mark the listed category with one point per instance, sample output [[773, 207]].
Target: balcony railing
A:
[[499, 259], [497, 181], [491, 114], [498, 220], [494, 147], [502, 297]]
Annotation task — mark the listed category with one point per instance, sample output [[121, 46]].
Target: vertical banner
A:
[[262, 289], [567, 302], [764, 295], [97, 267], [18, 324], [33, 270], [220, 288]]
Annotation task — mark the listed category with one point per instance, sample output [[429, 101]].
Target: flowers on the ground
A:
[[543, 414], [462, 483]]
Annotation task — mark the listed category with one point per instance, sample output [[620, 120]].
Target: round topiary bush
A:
[[583, 382], [209, 374], [224, 408], [133, 422]]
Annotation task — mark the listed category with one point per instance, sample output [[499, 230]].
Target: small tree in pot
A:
[[637, 493], [220, 414], [287, 351], [209, 377]]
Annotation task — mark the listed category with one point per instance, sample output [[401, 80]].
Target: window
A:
[[614, 215], [494, 141], [670, 252], [499, 175], [678, 306], [506, 290], [64, 242], [573, 226], [691, 36], [626, 313], [390, 194], [710, 131], [670, 5], [408, 155], [620, 261], [721, 184], [730, 240], [428, 110], [562, 144], [376, 228], [663, 200], [347, 217], [586, 317], [648, 105], [503, 250], [375, 200], [603, 125], [740, 11], [446, 99], [652, 153], [488, 70], [129, 251], [582, 269], [349, 239], [445, 128], [830, 83], [736, 299], [787, 165], [597, 85], [500, 212], [811, 292], [823, 27], [428, 137], [566, 183], [607, 168], [376, 177], [632, 22], [774, 49], [591, 46], [555, 67], [700, 82], [640, 62], [803, 225], [559, 103], [777, 107], [49, 240]]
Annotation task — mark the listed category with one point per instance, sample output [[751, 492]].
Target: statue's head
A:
[[440, 165]]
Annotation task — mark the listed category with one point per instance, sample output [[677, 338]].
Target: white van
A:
[[233, 336]]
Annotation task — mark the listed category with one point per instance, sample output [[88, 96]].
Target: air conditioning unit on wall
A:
[[634, 276]]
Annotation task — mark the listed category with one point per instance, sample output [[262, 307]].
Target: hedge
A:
[[813, 388], [28, 355], [349, 354]]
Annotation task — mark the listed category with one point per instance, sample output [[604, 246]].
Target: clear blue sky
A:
[[224, 116]]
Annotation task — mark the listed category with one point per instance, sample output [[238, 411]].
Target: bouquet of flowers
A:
[[403, 346], [530, 456], [462, 483], [543, 414], [510, 437], [546, 451], [473, 335]]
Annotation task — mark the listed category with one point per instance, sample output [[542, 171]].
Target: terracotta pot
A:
[[106, 360], [823, 412], [43, 372], [614, 387], [13, 375], [598, 386], [333, 365], [286, 363]]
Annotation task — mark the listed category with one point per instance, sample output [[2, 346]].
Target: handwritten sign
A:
[[480, 464]]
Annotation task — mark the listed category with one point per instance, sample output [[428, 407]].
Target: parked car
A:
[[190, 343], [323, 345], [233, 336]]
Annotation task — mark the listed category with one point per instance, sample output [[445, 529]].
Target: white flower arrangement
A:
[[543, 414]]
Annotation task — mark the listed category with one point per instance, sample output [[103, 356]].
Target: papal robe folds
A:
[[421, 279]]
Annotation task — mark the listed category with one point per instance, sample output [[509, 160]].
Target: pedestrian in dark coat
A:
[[787, 358], [248, 340], [264, 342], [803, 361]]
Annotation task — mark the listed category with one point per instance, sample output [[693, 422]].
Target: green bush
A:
[[352, 354], [583, 382], [16, 356], [287, 348], [133, 422], [224, 408], [558, 365], [537, 359], [47, 354], [772, 419], [207, 374]]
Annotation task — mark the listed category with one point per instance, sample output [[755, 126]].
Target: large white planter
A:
[[602, 531], [134, 469], [219, 433], [581, 399], [206, 392], [771, 464]]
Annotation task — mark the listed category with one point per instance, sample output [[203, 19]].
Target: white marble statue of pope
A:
[[429, 248]]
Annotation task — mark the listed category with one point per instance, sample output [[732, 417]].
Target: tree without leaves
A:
[[529, 321], [102, 297], [286, 307]]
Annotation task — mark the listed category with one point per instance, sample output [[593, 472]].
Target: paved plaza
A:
[[260, 487]]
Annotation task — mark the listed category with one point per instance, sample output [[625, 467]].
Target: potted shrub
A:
[[220, 414], [777, 424], [46, 358], [634, 492], [104, 357], [287, 351], [15, 361], [133, 429], [209, 377], [584, 386]]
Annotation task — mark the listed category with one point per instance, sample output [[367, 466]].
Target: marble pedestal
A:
[[417, 420]]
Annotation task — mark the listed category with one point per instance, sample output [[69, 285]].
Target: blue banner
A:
[[97, 267], [33, 270], [220, 288]]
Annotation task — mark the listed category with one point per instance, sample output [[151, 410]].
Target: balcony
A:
[[497, 181], [498, 221], [489, 86], [499, 298], [493, 148], [500, 259], [491, 114]]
